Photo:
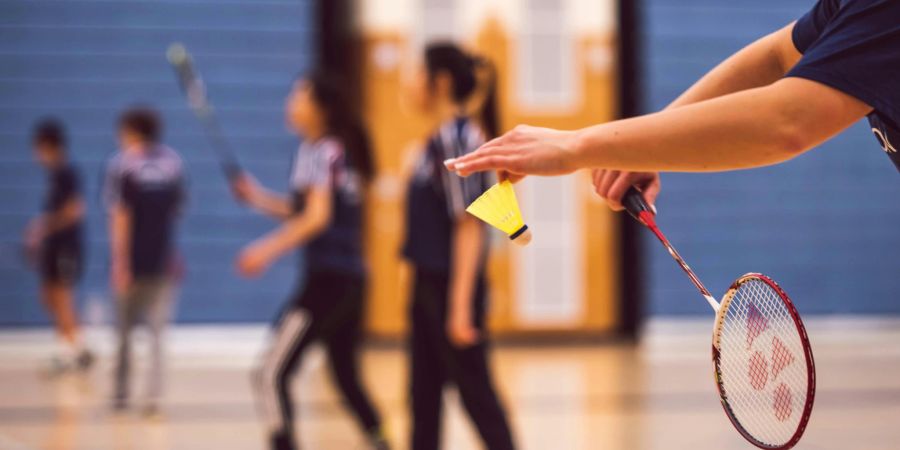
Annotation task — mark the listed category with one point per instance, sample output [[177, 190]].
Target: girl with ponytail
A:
[[323, 212], [448, 249]]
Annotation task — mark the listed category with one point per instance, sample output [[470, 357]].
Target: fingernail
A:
[[459, 166], [653, 208], [449, 163]]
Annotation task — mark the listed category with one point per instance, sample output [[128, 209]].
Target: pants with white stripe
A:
[[435, 363], [330, 310]]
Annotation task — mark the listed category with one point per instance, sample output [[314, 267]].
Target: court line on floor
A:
[[624, 403]]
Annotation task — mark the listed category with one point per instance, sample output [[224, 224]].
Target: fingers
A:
[[486, 161], [505, 175], [651, 191], [611, 185], [617, 191], [606, 181]]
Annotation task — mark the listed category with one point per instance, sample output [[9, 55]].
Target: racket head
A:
[[763, 361]]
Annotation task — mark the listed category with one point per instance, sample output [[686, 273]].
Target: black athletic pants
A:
[[435, 362], [330, 309]]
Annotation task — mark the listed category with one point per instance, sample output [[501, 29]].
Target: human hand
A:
[[611, 186], [244, 187], [253, 260], [460, 330], [523, 151]]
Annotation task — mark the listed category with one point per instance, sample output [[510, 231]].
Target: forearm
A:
[[468, 239], [119, 237], [759, 64], [272, 204], [291, 234], [751, 128], [69, 215]]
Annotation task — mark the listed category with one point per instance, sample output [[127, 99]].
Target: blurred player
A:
[[448, 250], [144, 191], [54, 241], [324, 213], [772, 101]]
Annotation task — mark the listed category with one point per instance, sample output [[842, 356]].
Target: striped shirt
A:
[[437, 198], [150, 184], [324, 164]]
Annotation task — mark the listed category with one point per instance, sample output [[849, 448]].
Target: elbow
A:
[[319, 223], [790, 140]]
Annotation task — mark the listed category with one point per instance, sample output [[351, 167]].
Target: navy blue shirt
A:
[[854, 46], [324, 164], [150, 185], [65, 186], [437, 197]]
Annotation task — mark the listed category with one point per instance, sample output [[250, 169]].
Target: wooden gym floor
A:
[[657, 395]]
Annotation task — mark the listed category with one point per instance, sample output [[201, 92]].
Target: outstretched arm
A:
[[750, 128], [295, 231], [248, 191], [761, 63]]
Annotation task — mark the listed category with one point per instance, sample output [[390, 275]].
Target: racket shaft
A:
[[195, 90], [639, 209], [227, 159]]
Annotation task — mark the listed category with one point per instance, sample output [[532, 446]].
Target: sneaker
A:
[[153, 412], [119, 404], [85, 360], [378, 440], [56, 366], [282, 441]]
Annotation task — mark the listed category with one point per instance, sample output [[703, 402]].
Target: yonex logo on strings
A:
[[760, 372]]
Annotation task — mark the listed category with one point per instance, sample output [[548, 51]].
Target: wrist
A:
[[578, 145]]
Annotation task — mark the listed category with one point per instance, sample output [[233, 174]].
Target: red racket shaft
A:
[[634, 203]]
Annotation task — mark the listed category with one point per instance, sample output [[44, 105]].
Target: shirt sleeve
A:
[[316, 169], [810, 25], [856, 50]]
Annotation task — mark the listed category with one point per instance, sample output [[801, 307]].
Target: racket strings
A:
[[762, 368]]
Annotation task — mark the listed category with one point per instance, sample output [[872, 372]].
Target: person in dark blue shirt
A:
[[773, 100], [54, 241], [144, 192], [324, 213], [448, 250]]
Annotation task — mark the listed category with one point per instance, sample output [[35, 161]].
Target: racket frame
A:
[[193, 87], [637, 207], [807, 352]]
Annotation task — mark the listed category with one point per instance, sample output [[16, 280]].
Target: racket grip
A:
[[634, 203]]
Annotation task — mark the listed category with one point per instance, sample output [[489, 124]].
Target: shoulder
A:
[[170, 155], [170, 160], [329, 147], [115, 164]]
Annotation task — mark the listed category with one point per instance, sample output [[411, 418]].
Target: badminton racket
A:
[[195, 90], [763, 362]]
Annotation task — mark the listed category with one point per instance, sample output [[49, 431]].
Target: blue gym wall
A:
[[824, 225], [84, 61]]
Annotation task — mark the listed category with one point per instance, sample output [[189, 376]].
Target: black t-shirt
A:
[[854, 46], [324, 163], [150, 185], [65, 186], [437, 197]]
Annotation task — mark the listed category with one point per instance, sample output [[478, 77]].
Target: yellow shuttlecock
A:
[[499, 208]]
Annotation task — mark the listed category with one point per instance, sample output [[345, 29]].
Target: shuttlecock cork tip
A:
[[521, 237]]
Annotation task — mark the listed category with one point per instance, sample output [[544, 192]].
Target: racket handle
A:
[[634, 203]]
